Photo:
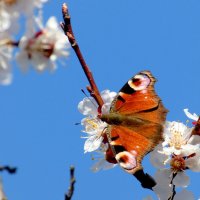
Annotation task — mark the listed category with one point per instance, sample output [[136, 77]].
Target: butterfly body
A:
[[135, 121]]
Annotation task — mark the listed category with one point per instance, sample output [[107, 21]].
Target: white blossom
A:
[[176, 137], [163, 189], [5, 58], [193, 163], [94, 127], [179, 151], [42, 50], [102, 163], [10, 10], [6, 18], [88, 105], [22, 6]]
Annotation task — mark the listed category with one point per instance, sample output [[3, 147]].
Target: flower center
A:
[[46, 49], [40, 44], [177, 163], [92, 124], [176, 139]]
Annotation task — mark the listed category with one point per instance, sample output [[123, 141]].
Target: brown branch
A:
[[67, 28], [10, 170], [70, 192], [9, 42], [174, 187]]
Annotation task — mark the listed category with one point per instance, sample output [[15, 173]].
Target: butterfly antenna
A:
[[89, 98]]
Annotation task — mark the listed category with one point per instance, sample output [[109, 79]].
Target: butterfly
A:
[[135, 125]]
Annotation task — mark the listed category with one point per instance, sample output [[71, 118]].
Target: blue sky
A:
[[118, 39]]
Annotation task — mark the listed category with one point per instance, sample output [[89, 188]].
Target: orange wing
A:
[[136, 121]]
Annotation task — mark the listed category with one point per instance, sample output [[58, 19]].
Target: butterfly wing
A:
[[136, 121]]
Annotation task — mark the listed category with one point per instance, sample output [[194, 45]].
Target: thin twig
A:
[[8, 42], [67, 28], [174, 187], [70, 192], [10, 170]]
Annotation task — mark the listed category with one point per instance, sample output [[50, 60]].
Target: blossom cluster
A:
[[94, 128], [178, 153], [39, 47], [11, 10]]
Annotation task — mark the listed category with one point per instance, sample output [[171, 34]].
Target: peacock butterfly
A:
[[135, 127]]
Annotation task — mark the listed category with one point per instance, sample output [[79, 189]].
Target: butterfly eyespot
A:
[[139, 82], [126, 160]]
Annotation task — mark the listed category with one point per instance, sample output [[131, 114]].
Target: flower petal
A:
[[108, 96], [181, 180], [163, 176], [193, 116], [184, 194], [93, 143], [148, 198], [102, 164], [88, 106], [163, 188], [189, 149], [105, 108], [158, 159], [194, 139], [193, 163]]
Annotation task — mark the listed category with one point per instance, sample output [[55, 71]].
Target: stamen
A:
[[93, 124], [37, 44], [177, 164], [176, 139], [166, 161]]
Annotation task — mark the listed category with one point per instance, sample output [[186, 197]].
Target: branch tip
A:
[[70, 192], [64, 8], [65, 13], [67, 29], [10, 170]]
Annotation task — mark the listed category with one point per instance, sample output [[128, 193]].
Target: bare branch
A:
[[67, 28], [8, 42], [10, 170], [173, 187], [70, 192]]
